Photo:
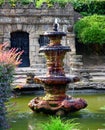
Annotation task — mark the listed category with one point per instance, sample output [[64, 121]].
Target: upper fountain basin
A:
[[54, 33], [59, 48], [57, 80]]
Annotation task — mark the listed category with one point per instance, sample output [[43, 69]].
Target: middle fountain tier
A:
[[55, 81]]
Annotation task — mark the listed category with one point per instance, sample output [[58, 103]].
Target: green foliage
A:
[[90, 7], [40, 2], [91, 29], [62, 3], [13, 2], [8, 61], [1, 2], [26, 1], [57, 124], [85, 7]]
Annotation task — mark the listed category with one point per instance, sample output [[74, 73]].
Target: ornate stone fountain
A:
[[55, 82]]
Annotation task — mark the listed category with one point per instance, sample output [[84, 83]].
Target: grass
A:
[[55, 123]]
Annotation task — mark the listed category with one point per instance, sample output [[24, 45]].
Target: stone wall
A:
[[35, 21]]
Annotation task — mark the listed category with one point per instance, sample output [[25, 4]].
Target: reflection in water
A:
[[90, 118]]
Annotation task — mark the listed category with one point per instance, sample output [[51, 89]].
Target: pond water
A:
[[90, 118]]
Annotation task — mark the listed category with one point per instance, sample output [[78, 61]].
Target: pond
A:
[[90, 118]]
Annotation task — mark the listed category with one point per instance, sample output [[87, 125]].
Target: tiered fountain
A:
[[55, 82]]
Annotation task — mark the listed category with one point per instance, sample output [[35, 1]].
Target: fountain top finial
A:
[[56, 25], [55, 31]]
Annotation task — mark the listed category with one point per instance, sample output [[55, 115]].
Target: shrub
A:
[[89, 7], [26, 1], [8, 61], [91, 29], [85, 7], [1, 2], [40, 2]]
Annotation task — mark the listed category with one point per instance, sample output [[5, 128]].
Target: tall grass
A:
[[56, 123]]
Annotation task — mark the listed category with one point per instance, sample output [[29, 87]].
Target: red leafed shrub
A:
[[9, 60]]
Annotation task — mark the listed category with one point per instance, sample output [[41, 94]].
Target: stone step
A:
[[39, 72], [101, 80], [95, 69], [95, 74], [99, 74], [20, 75], [39, 66], [89, 70], [24, 71]]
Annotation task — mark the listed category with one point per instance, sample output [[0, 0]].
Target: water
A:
[[90, 118]]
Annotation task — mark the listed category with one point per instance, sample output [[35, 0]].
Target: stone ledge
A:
[[87, 85]]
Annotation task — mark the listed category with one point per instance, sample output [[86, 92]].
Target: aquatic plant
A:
[[9, 60], [56, 123]]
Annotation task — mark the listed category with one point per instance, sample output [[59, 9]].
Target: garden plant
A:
[[9, 60], [56, 123], [90, 30], [85, 7]]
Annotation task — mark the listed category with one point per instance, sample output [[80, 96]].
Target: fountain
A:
[[55, 82]]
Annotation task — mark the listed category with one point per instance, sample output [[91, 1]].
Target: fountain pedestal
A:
[[55, 82]]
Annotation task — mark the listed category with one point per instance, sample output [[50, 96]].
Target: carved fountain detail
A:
[[55, 82]]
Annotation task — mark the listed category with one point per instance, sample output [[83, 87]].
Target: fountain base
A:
[[68, 105]]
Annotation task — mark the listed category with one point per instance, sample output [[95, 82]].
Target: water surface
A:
[[90, 118]]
